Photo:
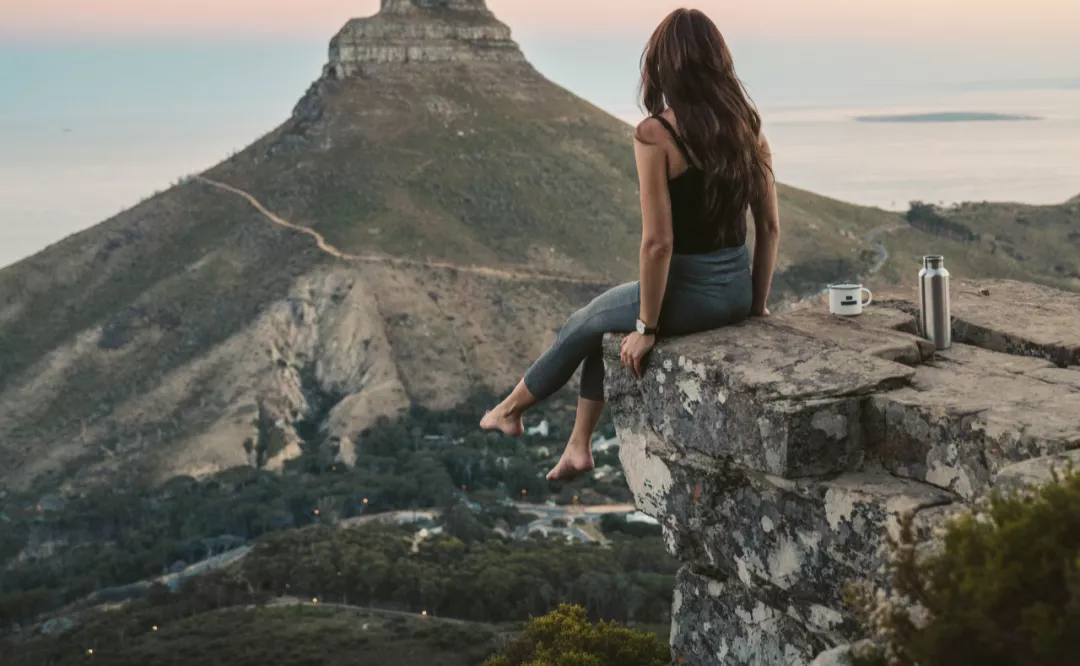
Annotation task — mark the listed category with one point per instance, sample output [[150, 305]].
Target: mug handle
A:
[[869, 297]]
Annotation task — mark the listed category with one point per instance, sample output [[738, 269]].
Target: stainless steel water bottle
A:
[[934, 306]]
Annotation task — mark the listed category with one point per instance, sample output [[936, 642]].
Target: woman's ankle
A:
[[512, 408], [518, 402], [580, 443]]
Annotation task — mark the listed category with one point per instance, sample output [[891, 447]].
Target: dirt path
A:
[[870, 237], [322, 244], [883, 252]]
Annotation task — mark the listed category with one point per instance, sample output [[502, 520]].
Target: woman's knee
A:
[[612, 312], [574, 324], [584, 327]]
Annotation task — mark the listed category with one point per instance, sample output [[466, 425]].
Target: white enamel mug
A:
[[846, 299]]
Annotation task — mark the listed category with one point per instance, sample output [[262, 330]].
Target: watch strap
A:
[[644, 329]]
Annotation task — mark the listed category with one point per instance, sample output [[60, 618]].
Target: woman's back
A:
[[690, 89], [697, 230]]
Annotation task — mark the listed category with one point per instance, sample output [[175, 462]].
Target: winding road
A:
[[326, 247], [882, 251], [871, 237]]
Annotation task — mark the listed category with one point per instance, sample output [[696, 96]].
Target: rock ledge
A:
[[777, 454]]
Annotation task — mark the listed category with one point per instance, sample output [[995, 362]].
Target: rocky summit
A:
[[779, 454], [416, 31]]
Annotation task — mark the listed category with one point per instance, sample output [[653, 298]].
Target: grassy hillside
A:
[[492, 166], [824, 240], [1004, 240]]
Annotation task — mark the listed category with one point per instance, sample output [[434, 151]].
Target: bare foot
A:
[[575, 461], [500, 419]]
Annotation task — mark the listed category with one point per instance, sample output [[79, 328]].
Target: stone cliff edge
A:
[[777, 454]]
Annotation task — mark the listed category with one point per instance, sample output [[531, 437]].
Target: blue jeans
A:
[[704, 292]]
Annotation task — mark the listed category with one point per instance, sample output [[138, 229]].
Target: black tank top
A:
[[693, 232]]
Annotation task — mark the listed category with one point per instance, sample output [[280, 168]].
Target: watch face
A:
[[641, 327]]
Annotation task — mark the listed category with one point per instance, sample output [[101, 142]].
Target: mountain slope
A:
[[477, 205], [999, 240]]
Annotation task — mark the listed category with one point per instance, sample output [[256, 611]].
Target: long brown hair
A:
[[687, 66]]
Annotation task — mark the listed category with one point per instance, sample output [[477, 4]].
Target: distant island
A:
[[946, 117]]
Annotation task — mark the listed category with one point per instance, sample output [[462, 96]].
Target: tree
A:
[[1004, 588], [159, 594], [459, 521], [270, 437], [23, 606], [566, 638]]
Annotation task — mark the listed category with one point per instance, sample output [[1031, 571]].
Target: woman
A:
[[702, 163]]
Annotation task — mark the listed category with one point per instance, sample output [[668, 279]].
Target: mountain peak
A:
[[422, 31], [398, 6]]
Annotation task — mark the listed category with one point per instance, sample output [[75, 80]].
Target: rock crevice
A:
[[778, 454]]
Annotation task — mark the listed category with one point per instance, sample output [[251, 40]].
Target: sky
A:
[[1008, 22], [833, 51]]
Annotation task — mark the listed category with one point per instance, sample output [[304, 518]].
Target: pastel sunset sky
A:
[[1013, 21]]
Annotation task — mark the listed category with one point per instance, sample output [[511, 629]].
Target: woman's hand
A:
[[635, 347]]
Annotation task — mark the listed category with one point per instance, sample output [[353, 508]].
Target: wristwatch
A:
[[642, 329]]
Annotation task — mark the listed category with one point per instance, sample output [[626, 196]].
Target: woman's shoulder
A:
[[651, 131]]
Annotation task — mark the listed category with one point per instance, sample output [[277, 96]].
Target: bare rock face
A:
[[779, 453], [405, 6], [422, 31]]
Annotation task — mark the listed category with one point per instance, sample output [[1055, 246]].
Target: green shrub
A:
[[1003, 590], [566, 638]]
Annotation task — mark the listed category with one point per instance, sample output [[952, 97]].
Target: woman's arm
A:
[[656, 235], [767, 237]]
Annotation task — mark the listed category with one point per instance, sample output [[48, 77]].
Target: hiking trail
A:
[[324, 246]]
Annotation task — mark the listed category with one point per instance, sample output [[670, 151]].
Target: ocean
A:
[[82, 139], [891, 164]]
